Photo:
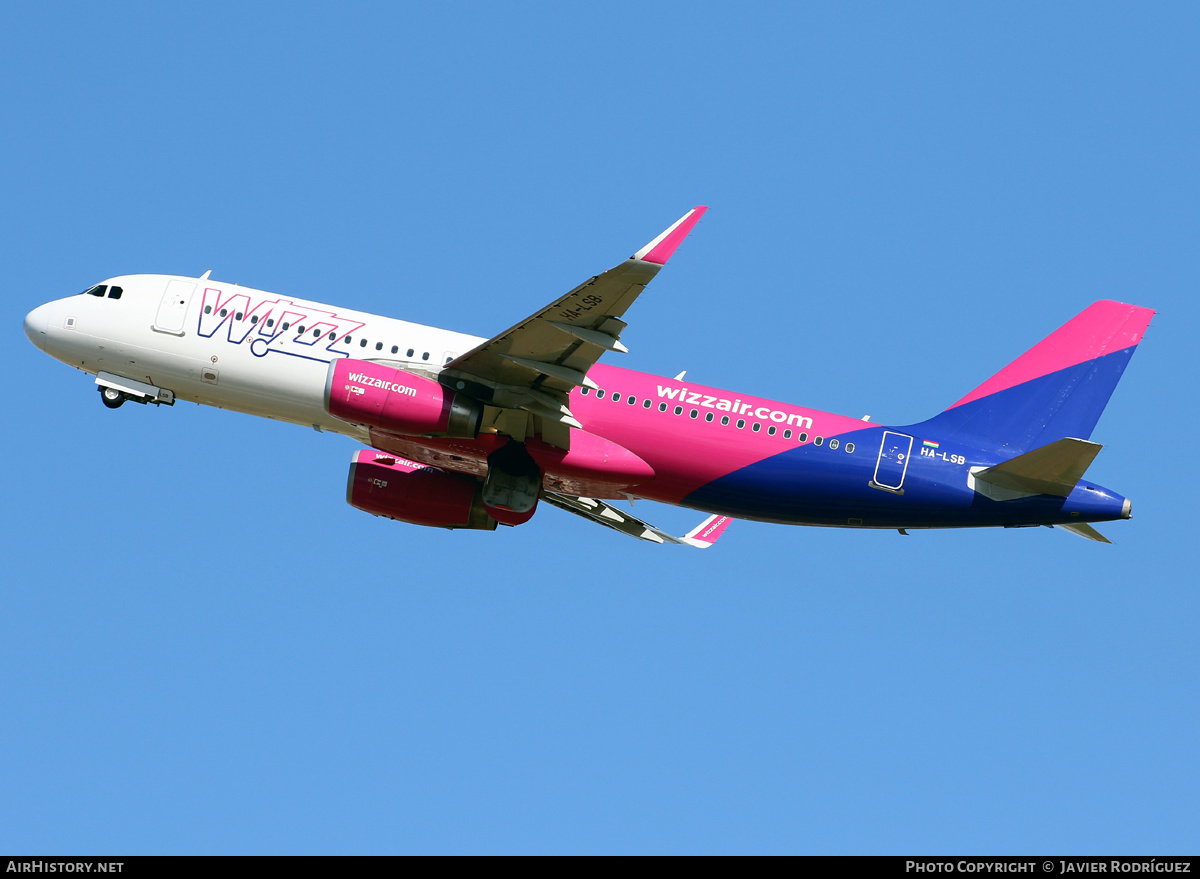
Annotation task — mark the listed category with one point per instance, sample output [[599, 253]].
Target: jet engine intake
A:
[[387, 485], [362, 392]]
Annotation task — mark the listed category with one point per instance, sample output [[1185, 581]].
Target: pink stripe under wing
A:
[[1101, 328]]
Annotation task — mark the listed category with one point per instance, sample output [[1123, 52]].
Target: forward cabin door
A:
[[892, 464], [173, 307]]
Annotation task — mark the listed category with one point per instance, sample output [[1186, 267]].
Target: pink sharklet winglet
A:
[[706, 533], [1102, 328], [660, 249]]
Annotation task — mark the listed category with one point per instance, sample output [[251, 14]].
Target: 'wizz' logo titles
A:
[[274, 325]]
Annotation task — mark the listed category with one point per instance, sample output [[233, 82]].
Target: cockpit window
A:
[[98, 290], [115, 292]]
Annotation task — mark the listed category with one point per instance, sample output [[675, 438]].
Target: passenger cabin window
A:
[[616, 397], [647, 404], [599, 393], [678, 410], [346, 339], [708, 416], [724, 419], [362, 343], [585, 391], [410, 353], [425, 356], [395, 349], [208, 310], [379, 346], [662, 407], [115, 292], [757, 427]]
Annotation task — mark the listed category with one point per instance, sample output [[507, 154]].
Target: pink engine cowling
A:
[[362, 392], [387, 485]]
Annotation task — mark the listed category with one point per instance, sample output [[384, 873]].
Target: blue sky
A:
[[206, 650]]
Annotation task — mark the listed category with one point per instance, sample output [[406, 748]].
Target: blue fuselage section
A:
[[927, 488]]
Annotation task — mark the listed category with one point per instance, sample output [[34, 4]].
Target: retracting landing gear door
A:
[[894, 450], [173, 307]]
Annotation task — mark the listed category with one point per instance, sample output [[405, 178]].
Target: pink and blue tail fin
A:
[[1056, 389]]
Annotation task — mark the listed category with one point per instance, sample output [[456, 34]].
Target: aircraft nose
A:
[[35, 326]]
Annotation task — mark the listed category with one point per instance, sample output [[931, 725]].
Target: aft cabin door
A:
[[894, 450], [173, 307]]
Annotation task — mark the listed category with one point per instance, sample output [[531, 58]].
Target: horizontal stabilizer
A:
[[1054, 469], [1083, 529]]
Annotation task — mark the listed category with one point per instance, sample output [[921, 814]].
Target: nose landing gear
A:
[[115, 390], [111, 397]]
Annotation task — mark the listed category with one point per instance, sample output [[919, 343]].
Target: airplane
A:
[[472, 433]]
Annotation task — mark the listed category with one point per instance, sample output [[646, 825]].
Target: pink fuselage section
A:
[[627, 448]]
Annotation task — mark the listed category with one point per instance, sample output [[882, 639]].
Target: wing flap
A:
[[592, 337], [565, 374]]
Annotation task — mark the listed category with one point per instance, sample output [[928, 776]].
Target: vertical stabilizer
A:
[[1056, 389]]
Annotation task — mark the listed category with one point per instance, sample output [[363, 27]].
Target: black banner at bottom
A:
[[1042, 865]]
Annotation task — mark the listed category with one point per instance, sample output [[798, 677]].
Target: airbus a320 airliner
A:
[[466, 432]]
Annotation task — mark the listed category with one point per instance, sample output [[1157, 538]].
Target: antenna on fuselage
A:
[[204, 277], [679, 377]]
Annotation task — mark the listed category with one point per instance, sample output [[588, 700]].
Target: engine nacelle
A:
[[387, 485], [362, 392]]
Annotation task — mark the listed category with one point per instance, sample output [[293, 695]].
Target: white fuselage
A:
[[265, 355]]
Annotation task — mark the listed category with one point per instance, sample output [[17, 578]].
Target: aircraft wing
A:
[[534, 365], [703, 535]]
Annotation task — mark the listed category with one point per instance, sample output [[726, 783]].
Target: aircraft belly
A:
[[469, 456], [287, 390]]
